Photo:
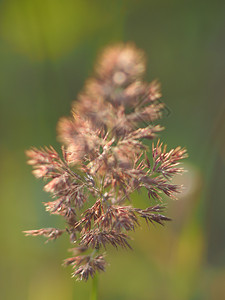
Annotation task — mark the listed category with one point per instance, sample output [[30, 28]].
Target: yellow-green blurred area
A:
[[47, 50]]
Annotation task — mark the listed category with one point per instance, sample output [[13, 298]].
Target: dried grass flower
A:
[[104, 159]]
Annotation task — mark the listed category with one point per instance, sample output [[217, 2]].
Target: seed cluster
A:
[[104, 160]]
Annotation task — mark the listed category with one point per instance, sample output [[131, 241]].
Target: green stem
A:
[[94, 290]]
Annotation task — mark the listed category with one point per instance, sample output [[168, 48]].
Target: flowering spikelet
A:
[[104, 160], [50, 233]]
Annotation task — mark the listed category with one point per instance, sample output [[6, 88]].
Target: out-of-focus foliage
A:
[[50, 29], [47, 49]]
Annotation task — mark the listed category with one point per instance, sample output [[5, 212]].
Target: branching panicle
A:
[[105, 159]]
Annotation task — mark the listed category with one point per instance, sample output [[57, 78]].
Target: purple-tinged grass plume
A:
[[104, 160]]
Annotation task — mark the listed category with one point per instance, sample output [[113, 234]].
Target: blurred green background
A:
[[47, 50]]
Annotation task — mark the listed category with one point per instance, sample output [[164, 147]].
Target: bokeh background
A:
[[47, 50]]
